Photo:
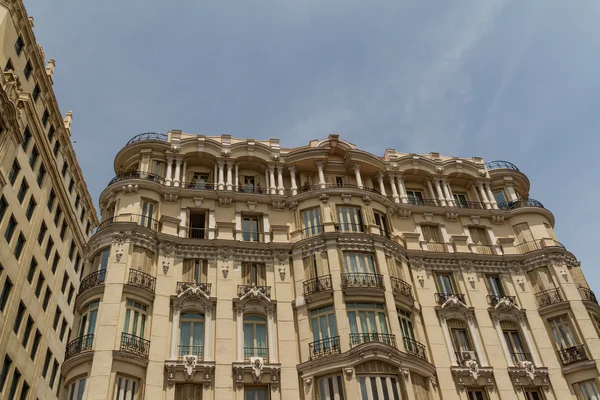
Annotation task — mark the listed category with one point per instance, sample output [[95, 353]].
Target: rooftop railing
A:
[[149, 136], [521, 203], [499, 164]]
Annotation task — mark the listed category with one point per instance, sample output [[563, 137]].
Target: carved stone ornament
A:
[[521, 283], [208, 375], [451, 216], [416, 263], [274, 378], [349, 372], [308, 381], [421, 280], [225, 270], [225, 201], [293, 205], [475, 219], [189, 363], [406, 373], [497, 219], [165, 266], [257, 365], [167, 248], [324, 198], [428, 216], [171, 375], [404, 213], [170, 197], [118, 238], [251, 205], [366, 199], [282, 273], [565, 275], [130, 188], [239, 376], [471, 281], [346, 198], [119, 254], [198, 201], [466, 265], [278, 205]]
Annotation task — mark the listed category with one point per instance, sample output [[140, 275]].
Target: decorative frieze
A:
[[355, 244], [315, 246]]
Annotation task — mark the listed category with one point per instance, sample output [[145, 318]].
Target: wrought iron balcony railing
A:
[[141, 220], [347, 227], [359, 338], [81, 344], [512, 205], [315, 285], [252, 189], [415, 348], [362, 280], [572, 354], [198, 185], [257, 237], [197, 351], [148, 136], [519, 357], [196, 233], [548, 297], [423, 202], [441, 298], [244, 289], [587, 294], [402, 287], [147, 176], [499, 164], [183, 286], [134, 345], [92, 280], [256, 352], [494, 299], [311, 231], [477, 205], [142, 279], [324, 347]]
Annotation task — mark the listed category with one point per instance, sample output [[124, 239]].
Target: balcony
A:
[[256, 237], [587, 295], [401, 287], [198, 185], [317, 285], [262, 352], [484, 249], [141, 220], [519, 358], [252, 189], [362, 280], [513, 205], [572, 354], [494, 299], [499, 164], [80, 345], [415, 348], [360, 338], [183, 286], [142, 280], [245, 289], [148, 136], [92, 280], [434, 247], [548, 297], [147, 176], [346, 227], [415, 201], [441, 298], [197, 351], [307, 188], [135, 345], [311, 231], [474, 205], [324, 347], [196, 233]]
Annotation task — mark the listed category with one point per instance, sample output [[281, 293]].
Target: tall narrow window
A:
[[12, 394], [481, 239], [36, 344], [26, 139], [30, 208], [188, 391], [562, 332], [256, 393], [4, 296], [408, 333], [41, 175], [27, 331], [461, 341], [5, 370], [525, 241], [47, 296], [460, 200], [432, 236], [494, 284], [500, 198], [324, 330], [445, 283], [368, 324], [514, 342], [22, 191], [36, 92], [3, 207], [76, 389], [311, 220], [19, 318], [57, 215], [135, 319], [27, 70], [87, 324], [349, 219], [382, 225], [14, 172], [254, 274], [331, 388], [49, 247], [414, 197], [251, 231], [51, 199], [47, 360], [53, 373], [191, 335], [19, 45], [148, 214], [589, 390], [19, 246], [32, 269], [34, 157], [40, 283], [195, 270], [255, 337]]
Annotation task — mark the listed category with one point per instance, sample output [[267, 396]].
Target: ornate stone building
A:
[[46, 216], [229, 268]]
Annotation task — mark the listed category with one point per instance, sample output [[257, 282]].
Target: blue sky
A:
[[510, 80]]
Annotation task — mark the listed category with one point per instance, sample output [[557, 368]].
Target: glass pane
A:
[[363, 389], [92, 323]]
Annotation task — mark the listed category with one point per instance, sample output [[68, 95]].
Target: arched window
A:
[[191, 335], [255, 337], [377, 381], [76, 389]]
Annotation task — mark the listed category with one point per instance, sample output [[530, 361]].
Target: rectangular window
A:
[[32, 268], [5, 370], [191, 335], [55, 262], [46, 363], [71, 185], [254, 274], [500, 197], [19, 246], [195, 270], [27, 70], [330, 388], [63, 329], [481, 239], [3, 207], [76, 390], [420, 387], [349, 219], [460, 200], [514, 342], [8, 285], [19, 45], [251, 229], [324, 330], [562, 332], [65, 281], [36, 92], [63, 230], [432, 236], [148, 214], [24, 391], [445, 283], [45, 118], [378, 387], [12, 394], [42, 234], [30, 208], [41, 175], [82, 214], [382, 224], [65, 167], [34, 157], [26, 139], [57, 315], [19, 318], [49, 247], [72, 250], [126, 388], [47, 296], [540, 279], [22, 191], [523, 233], [311, 220], [9, 66], [589, 390], [414, 197], [53, 374], [27, 332], [135, 318], [36, 344], [406, 327], [14, 172], [71, 292], [77, 200], [494, 284], [77, 262], [57, 215], [476, 394], [188, 391], [51, 133], [39, 285], [367, 323], [360, 268], [461, 341], [51, 199]]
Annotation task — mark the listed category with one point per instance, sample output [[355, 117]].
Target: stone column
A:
[[448, 196], [477, 343], [438, 188], [430, 188], [483, 195], [292, 170], [321, 175], [229, 173], [216, 177], [446, 332], [183, 173], [212, 224], [169, 170], [237, 178], [207, 334], [280, 179], [491, 197], [272, 187], [240, 334], [394, 191], [530, 344], [270, 335], [267, 179], [177, 178], [356, 168], [183, 223], [381, 184], [402, 189], [221, 165], [174, 329]]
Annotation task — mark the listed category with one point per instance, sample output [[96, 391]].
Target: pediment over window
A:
[[506, 309], [454, 308], [193, 298], [255, 300]]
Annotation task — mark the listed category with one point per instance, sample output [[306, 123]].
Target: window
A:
[[51, 199], [312, 222], [523, 234], [8, 285], [135, 318], [445, 283], [26, 138], [433, 238], [57, 215], [47, 296], [251, 231], [256, 393], [499, 197], [42, 234], [40, 283], [195, 270], [408, 333], [65, 167], [188, 391], [359, 270], [30, 208], [381, 222], [349, 219], [148, 214], [65, 281], [5, 370], [45, 118], [377, 381], [82, 214], [460, 200], [9, 66], [87, 323], [32, 268], [41, 175], [14, 172], [476, 394], [495, 288], [12, 394], [27, 332], [57, 315], [159, 168], [76, 389], [255, 337], [77, 262], [414, 197], [63, 329], [46, 363], [71, 185], [19, 45], [63, 230], [331, 388], [367, 323], [315, 266], [191, 335], [540, 279], [3, 207], [461, 341], [72, 250], [34, 157], [27, 70], [36, 92], [51, 133], [77, 200], [36, 344], [126, 388], [514, 342], [562, 332], [420, 387], [19, 318], [53, 374], [481, 239], [19, 246], [71, 292], [589, 390], [324, 330], [22, 191], [49, 247], [253, 274]]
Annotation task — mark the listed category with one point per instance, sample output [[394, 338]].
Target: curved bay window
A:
[[378, 380], [311, 221], [255, 337], [325, 334], [330, 388], [349, 219], [191, 335], [368, 324], [87, 324], [76, 389]]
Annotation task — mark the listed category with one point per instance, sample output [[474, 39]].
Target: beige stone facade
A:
[[46, 217], [229, 268]]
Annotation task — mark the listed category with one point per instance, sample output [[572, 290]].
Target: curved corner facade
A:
[[229, 268]]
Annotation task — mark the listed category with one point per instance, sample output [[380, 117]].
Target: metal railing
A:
[[529, 246], [311, 231], [494, 299], [359, 338], [519, 357], [197, 351], [324, 347], [196, 233], [423, 202], [512, 205], [315, 285], [147, 176], [253, 189], [163, 137], [198, 185], [257, 237], [441, 298], [141, 220], [244, 289], [183, 286], [362, 280], [436, 247], [548, 297], [499, 164], [134, 345], [572, 354], [402, 287], [256, 352], [587, 294], [415, 348], [81, 344], [477, 205], [347, 227], [308, 188], [141, 279], [351, 186], [484, 249], [92, 280]]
